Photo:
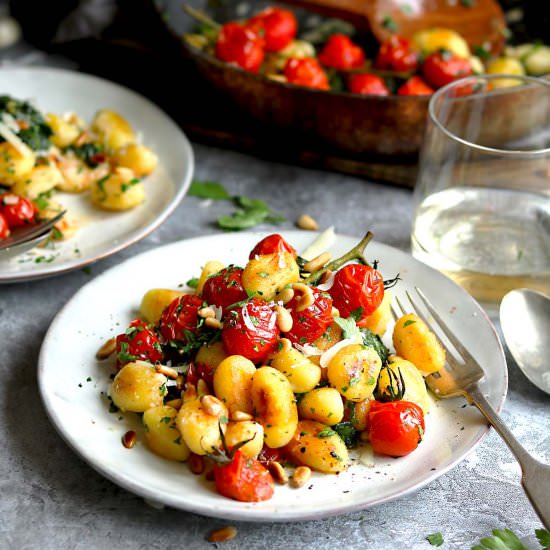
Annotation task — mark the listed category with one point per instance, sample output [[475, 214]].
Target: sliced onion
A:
[[327, 285], [366, 455], [217, 312], [10, 136], [308, 349], [247, 321], [320, 244], [327, 356]]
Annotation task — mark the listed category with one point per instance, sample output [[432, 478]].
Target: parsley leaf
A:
[[348, 326], [543, 537], [347, 433], [374, 341], [502, 539], [435, 539], [208, 190]]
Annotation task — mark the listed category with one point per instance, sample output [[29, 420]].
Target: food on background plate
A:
[[43, 156], [274, 367], [268, 43]]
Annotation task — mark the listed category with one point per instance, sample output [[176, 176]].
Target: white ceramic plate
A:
[[103, 233], [71, 382]]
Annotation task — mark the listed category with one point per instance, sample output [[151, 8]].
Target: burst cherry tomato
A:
[[270, 245], [306, 72], [225, 288], [251, 330], [179, 317], [197, 371], [415, 86], [276, 26], [17, 210], [365, 83], [341, 53], [397, 54], [395, 428], [443, 66], [243, 479], [4, 228], [312, 322], [268, 455], [240, 45], [357, 287], [139, 341]]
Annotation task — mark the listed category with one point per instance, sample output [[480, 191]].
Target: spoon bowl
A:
[[525, 322]]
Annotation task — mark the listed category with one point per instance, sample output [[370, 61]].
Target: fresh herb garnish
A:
[[374, 341], [90, 153], [543, 536], [502, 539], [208, 190], [347, 432], [250, 212], [435, 539]]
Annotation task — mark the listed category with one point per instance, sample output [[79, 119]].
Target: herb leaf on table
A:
[[543, 536], [435, 539], [502, 539], [208, 190]]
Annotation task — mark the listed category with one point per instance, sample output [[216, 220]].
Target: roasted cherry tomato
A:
[[268, 455], [276, 26], [395, 428], [138, 342], [272, 244], [251, 330], [357, 288], [197, 371], [397, 54], [17, 210], [224, 288], [306, 72], [244, 479], [415, 86], [240, 45], [443, 66], [179, 317], [341, 53], [4, 228], [364, 83], [312, 322]]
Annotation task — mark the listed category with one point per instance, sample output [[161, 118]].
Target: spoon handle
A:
[[535, 475]]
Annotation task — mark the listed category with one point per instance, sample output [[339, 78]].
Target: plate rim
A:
[[138, 234], [151, 496]]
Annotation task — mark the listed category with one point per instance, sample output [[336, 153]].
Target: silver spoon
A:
[[525, 322]]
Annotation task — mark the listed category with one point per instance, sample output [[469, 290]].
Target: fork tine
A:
[[403, 310], [394, 312]]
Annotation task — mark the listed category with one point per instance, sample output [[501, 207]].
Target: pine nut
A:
[[325, 276], [174, 403], [107, 349], [196, 464], [206, 312], [202, 387], [278, 472], [189, 393], [284, 344], [305, 221], [167, 371], [212, 322], [285, 295], [129, 439], [305, 298], [223, 534], [335, 312], [300, 477], [318, 262], [211, 405], [284, 319], [241, 416]]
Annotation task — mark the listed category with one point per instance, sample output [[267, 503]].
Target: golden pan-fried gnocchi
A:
[[225, 383]]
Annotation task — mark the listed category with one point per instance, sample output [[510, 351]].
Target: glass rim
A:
[[504, 152]]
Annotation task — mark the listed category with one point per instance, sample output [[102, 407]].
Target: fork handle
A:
[[535, 475]]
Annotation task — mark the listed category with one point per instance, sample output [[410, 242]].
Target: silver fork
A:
[[460, 378]]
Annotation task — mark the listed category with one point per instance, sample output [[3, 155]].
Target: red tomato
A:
[[17, 211], [243, 479], [179, 317], [442, 67], [306, 72], [240, 45], [4, 228], [397, 54], [277, 26], [395, 428], [364, 83], [357, 286], [415, 86], [197, 371], [341, 53], [268, 455], [312, 322], [270, 245], [251, 330], [138, 342], [225, 288]]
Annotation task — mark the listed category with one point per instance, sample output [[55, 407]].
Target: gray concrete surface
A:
[[50, 499]]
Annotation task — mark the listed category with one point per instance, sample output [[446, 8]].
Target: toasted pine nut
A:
[[211, 405], [284, 344], [284, 319], [240, 416], [223, 534], [335, 312], [129, 439], [325, 276], [285, 295], [174, 403], [167, 371], [202, 387], [318, 262], [212, 322], [196, 464], [300, 477], [278, 472], [206, 312], [305, 221], [107, 349], [305, 296]]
